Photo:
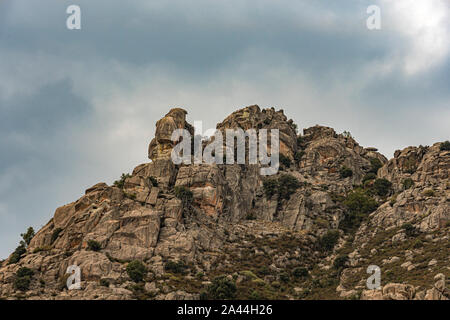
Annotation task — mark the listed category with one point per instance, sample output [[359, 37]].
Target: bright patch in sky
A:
[[426, 24]]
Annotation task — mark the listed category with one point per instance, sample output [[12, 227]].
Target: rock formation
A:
[[162, 144], [309, 232]]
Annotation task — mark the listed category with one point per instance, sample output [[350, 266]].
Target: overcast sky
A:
[[79, 106]]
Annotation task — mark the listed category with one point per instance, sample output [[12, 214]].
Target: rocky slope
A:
[[309, 232]]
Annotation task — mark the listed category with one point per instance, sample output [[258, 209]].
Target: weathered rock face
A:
[[326, 152], [415, 220], [253, 117], [232, 225], [420, 179], [161, 146], [322, 154], [398, 291], [426, 166]]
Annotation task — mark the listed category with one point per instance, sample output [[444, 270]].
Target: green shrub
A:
[[22, 284], [299, 155], [249, 275], [139, 292], [270, 186], [345, 172], [264, 271], [175, 267], [375, 164], [184, 194], [322, 223], [359, 202], [255, 295], [136, 270], [22, 279], [445, 146], [382, 187], [259, 282], [410, 230], [121, 182], [347, 134], [393, 200], [43, 248], [285, 161], [284, 277], [221, 288], [22, 248], [407, 183], [55, 234], [359, 205], [417, 244], [368, 177], [250, 216], [94, 245], [200, 275], [276, 284], [428, 193], [17, 254], [284, 186], [300, 141], [104, 282], [300, 272], [28, 235], [410, 165], [153, 181], [287, 185], [294, 126], [329, 240], [131, 196], [340, 262]]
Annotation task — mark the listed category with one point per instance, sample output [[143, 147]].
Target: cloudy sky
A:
[[79, 106]]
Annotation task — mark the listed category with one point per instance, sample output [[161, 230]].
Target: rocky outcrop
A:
[[425, 166], [398, 291], [327, 152], [415, 220], [420, 181], [224, 221], [161, 146], [253, 117]]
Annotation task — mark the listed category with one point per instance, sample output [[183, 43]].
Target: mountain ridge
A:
[[311, 230]]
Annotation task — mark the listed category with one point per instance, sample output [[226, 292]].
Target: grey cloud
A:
[[35, 139], [43, 113], [78, 107]]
